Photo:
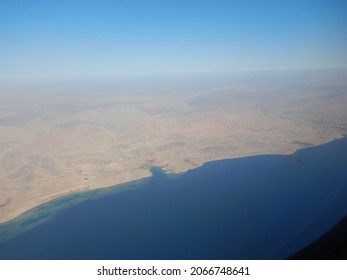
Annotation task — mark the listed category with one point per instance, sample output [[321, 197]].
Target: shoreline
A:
[[306, 188], [47, 210], [66, 193], [77, 191]]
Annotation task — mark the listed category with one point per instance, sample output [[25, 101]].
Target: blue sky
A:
[[100, 37]]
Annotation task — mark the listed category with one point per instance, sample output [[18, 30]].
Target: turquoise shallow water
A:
[[259, 207]]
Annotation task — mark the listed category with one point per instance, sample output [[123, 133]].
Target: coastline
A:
[[47, 208], [292, 198], [56, 195]]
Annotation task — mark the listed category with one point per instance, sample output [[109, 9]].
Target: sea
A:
[[256, 207]]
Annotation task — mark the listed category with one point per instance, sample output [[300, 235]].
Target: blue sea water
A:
[[258, 207]]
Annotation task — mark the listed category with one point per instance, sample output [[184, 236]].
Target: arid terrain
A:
[[55, 142]]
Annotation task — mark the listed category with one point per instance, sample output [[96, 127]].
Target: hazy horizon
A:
[[105, 38]]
